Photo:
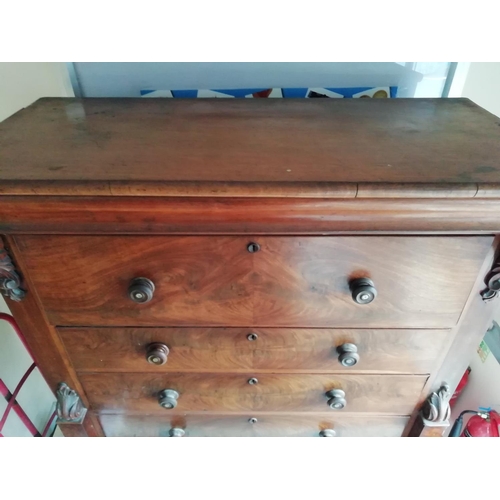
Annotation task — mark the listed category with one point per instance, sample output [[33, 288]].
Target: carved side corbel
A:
[[492, 282], [70, 409], [436, 410], [10, 281]]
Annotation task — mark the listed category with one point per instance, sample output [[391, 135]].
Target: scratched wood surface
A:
[[251, 140]]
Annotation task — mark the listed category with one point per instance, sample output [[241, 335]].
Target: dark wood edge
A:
[[155, 215], [44, 341], [416, 191], [73, 430], [180, 419], [475, 320], [262, 371], [430, 431], [91, 427], [238, 413], [329, 190]]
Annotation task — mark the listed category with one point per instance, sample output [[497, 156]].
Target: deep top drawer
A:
[[420, 282]]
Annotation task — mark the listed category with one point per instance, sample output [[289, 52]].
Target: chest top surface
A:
[[274, 141]]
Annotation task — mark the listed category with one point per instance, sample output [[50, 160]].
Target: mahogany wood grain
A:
[[251, 140], [305, 281], [274, 350], [44, 342], [198, 280], [267, 425], [291, 281], [221, 392], [159, 215]]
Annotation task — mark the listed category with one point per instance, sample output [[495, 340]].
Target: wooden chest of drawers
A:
[[254, 267]]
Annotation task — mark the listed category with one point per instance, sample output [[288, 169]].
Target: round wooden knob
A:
[[348, 354], [157, 353], [168, 399], [363, 290], [337, 399], [327, 433], [141, 290], [176, 432]]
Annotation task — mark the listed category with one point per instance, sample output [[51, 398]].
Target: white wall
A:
[[23, 83], [482, 85], [20, 85]]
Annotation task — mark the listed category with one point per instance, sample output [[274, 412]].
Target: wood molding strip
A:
[[126, 215], [323, 190]]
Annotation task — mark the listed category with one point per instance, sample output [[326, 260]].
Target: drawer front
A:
[[289, 281], [262, 425], [243, 349], [130, 392]]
